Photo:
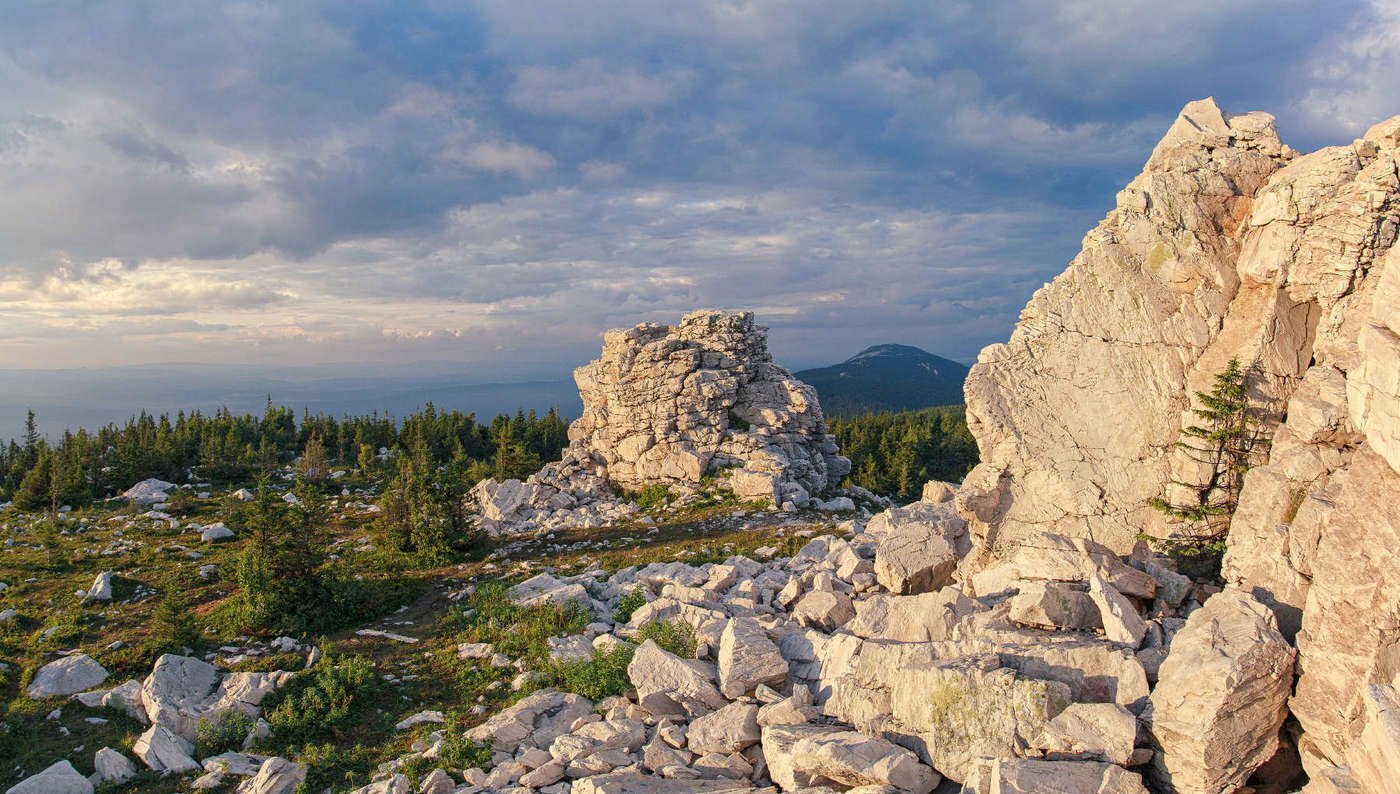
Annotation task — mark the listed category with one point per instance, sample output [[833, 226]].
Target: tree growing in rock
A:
[[1227, 440]]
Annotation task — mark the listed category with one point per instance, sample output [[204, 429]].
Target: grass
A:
[[339, 716]]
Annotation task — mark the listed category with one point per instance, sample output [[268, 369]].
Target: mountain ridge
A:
[[886, 377]]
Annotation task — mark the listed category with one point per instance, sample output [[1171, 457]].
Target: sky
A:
[[484, 187]]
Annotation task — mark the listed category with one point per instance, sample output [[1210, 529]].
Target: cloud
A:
[[590, 90], [494, 183], [502, 157]]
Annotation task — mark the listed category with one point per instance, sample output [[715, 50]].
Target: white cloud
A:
[[592, 90], [502, 157]]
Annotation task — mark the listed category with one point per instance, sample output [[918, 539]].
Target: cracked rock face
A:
[[670, 405], [1228, 244], [1076, 414]]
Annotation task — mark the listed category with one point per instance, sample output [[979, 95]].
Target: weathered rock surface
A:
[[61, 778], [1132, 315], [275, 776], [110, 766], [919, 546], [748, 658], [536, 720], [165, 751], [1095, 731], [66, 676], [1222, 695], [849, 758], [667, 405], [1033, 776], [668, 684]]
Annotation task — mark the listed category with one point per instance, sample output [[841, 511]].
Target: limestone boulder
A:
[[110, 766], [177, 692], [67, 676], [850, 759], [534, 721], [101, 589], [1057, 558], [1092, 731], [60, 778], [726, 730], [1035, 776], [1221, 696], [275, 776], [1118, 615], [918, 547], [915, 618], [747, 658], [825, 610], [667, 684], [1054, 605], [165, 751]]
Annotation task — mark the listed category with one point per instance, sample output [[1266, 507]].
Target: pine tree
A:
[[1226, 442], [313, 466]]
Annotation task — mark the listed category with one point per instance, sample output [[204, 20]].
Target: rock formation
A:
[[670, 405], [1228, 245]]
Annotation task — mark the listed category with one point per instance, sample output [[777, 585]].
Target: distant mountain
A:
[[887, 378]]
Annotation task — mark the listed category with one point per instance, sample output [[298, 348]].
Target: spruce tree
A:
[[1226, 441]]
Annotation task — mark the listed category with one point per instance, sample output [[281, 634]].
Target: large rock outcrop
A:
[[1076, 415], [669, 405], [1228, 245]]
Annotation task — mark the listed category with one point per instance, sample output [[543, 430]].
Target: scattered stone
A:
[[747, 658], [275, 776], [67, 676], [110, 766], [667, 684], [60, 778]]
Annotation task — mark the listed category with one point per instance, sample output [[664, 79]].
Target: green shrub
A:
[[173, 628], [459, 752], [629, 603], [221, 733], [604, 674], [520, 632], [650, 497], [673, 636], [319, 701]]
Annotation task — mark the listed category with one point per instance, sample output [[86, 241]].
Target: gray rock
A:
[[60, 778], [275, 776], [110, 766], [667, 684], [67, 676], [747, 658], [165, 751], [726, 730]]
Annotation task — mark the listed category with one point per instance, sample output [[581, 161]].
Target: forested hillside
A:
[[82, 466], [896, 453], [886, 378]]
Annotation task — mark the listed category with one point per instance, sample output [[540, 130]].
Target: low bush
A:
[[318, 702], [628, 604], [221, 733]]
